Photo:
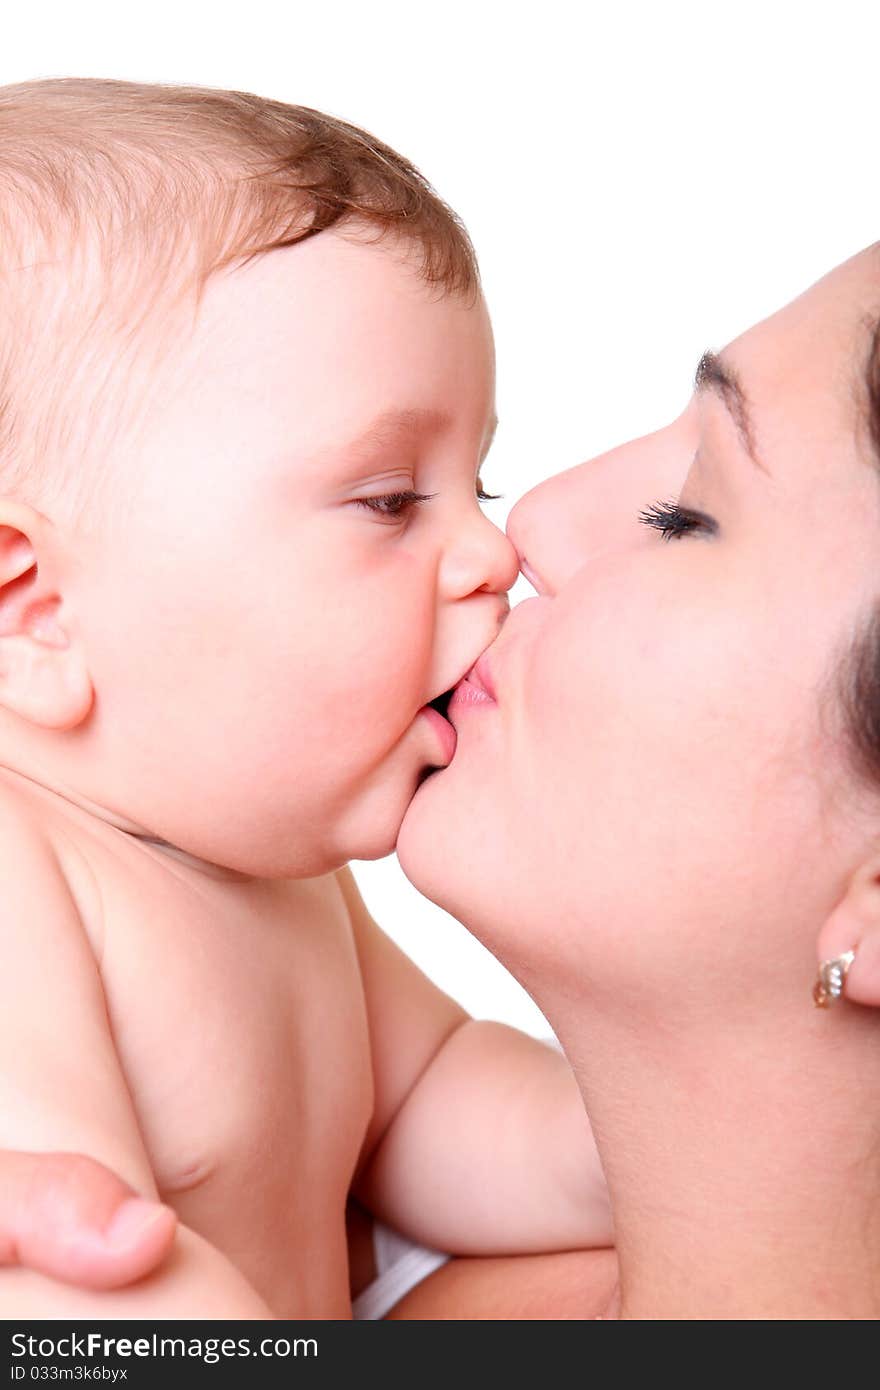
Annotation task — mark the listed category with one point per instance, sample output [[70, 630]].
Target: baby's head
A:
[[246, 385]]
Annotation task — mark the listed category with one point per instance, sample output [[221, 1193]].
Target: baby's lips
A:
[[444, 732]]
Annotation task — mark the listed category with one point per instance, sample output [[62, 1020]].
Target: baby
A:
[[246, 388]]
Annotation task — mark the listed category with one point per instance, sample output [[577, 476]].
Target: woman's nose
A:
[[553, 528], [482, 558], [594, 507]]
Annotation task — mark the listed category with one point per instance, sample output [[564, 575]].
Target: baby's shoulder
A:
[[51, 947], [30, 869], [20, 822], [41, 922]]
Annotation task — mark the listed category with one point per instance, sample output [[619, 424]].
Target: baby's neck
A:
[[68, 798], [203, 866]]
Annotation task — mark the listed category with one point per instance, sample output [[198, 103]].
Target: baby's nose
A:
[[481, 558]]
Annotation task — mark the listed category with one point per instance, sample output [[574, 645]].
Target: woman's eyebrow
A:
[[714, 374]]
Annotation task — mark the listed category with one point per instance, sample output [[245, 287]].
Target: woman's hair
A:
[[119, 200], [857, 683]]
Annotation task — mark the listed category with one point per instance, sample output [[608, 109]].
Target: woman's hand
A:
[[68, 1216]]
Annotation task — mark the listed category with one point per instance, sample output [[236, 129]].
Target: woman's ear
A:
[[44, 678], [854, 925]]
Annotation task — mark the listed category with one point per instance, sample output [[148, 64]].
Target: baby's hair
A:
[[118, 201]]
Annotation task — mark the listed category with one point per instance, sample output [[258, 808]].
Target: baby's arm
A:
[[479, 1143], [62, 1089]]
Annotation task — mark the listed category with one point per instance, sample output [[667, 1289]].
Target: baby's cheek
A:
[[367, 694], [390, 638]]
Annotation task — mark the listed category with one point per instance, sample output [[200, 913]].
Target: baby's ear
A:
[[43, 673], [854, 925]]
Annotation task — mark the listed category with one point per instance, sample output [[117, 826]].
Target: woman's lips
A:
[[476, 688], [446, 735], [480, 675]]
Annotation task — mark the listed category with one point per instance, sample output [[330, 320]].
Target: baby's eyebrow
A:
[[395, 427], [714, 374]]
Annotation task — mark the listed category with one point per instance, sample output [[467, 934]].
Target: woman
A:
[[673, 781]]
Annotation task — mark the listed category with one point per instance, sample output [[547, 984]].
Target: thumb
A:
[[68, 1216]]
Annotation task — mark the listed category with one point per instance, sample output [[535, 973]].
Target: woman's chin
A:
[[422, 843]]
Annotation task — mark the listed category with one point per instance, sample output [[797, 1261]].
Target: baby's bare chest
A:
[[240, 1024]]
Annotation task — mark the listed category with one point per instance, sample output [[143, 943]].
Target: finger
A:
[[68, 1216]]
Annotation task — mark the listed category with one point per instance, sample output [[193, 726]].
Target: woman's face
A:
[[658, 791]]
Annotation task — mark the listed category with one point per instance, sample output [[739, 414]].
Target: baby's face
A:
[[276, 613]]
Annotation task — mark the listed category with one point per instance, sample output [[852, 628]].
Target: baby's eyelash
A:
[[673, 521], [394, 504]]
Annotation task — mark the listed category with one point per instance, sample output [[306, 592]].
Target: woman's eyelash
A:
[[673, 521]]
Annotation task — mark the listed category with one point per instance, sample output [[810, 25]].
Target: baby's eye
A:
[[483, 496], [394, 506], [674, 521]]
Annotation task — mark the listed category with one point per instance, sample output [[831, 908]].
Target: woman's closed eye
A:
[[484, 496], [674, 521]]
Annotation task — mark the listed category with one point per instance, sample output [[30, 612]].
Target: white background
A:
[[642, 181]]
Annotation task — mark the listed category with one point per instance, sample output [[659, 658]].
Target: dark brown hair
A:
[[857, 684]]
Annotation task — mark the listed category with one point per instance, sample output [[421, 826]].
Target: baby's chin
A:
[[364, 823], [369, 828]]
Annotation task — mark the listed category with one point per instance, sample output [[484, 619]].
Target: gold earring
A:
[[831, 979]]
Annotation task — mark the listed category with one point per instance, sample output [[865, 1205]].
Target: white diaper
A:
[[400, 1265]]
